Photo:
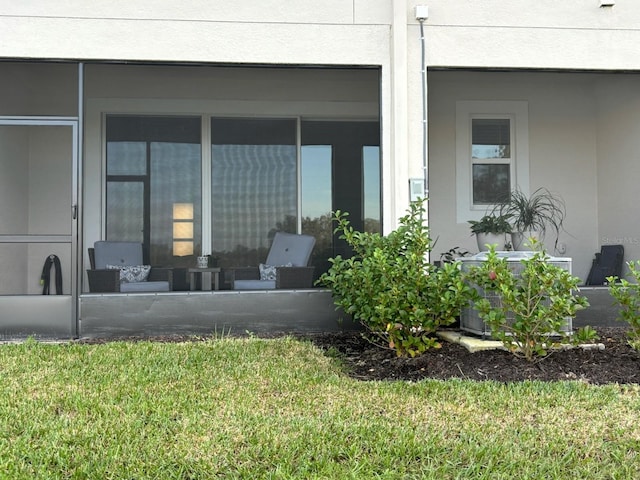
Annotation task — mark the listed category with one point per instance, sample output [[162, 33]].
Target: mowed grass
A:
[[256, 408]]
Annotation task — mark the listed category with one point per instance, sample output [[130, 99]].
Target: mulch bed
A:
[[617, 363]]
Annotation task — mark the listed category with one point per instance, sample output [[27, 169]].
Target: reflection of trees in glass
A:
[[253, 191], [322, 229], [491, 138], [491, 183], [372, 225], [242, 255]]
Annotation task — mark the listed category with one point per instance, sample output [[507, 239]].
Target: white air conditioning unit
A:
[[470, 321]]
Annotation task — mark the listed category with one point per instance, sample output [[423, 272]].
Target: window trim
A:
[[518, 113]]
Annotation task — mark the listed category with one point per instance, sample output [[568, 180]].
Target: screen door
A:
[[38, 225]]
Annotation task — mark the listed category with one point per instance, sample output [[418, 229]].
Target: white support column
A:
[[397, 186]]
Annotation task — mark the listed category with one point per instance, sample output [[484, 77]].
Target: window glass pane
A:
[[125, 211], [253, 187], [154, 164], [350, 159], [491, 183], [126, 158], [316, 198], [371, 174], [175, 179], [316, 181], [491, 138]]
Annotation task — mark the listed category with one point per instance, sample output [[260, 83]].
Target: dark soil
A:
[[617, 363]]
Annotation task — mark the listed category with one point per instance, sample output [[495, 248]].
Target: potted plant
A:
[[532, 216], [491, 230]]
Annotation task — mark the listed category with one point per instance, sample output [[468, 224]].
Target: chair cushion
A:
[[254, 285], [290, 248], [117, 253], [144, 287], [132, 273]]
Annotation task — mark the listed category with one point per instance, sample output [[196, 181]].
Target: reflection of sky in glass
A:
[[371, 175], [491, 138], [126, 158], [125, 209], [316, 180], [490, 151]]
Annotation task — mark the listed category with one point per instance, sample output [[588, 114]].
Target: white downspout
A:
[[422, 14], [425, 129]]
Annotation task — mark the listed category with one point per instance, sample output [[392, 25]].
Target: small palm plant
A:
[[539, 212]]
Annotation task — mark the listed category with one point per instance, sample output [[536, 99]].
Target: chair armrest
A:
[[243, 273], [104, 280], [294, 277], [157, 274]]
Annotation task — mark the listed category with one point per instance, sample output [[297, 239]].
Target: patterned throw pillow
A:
[[268, 272], [133, 273]]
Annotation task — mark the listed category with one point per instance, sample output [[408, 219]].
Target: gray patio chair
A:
[[286, 265], [108, 258], [607, 263]]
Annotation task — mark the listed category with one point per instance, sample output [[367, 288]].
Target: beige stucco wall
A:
[[619, 162], [562, 151], [568, 34], [38, 89], [273, 31], [584, 140], [497, 33]]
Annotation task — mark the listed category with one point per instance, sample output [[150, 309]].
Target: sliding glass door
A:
[[253, 186], [340, 171], [258, 176], [153, 189]]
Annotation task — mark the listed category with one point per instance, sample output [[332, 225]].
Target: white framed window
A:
[[492, 154]]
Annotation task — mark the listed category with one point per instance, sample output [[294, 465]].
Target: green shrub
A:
[[627, 296], [529, 308], [389, 286]]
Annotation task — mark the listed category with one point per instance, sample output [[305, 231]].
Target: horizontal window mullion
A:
[[489, 161]]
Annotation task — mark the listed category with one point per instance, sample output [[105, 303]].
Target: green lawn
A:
[[255, 408]]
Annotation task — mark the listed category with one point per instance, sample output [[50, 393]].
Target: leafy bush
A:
[[627, 296], [528, 308], [389, 286]]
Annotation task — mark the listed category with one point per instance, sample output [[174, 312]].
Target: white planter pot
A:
[[485, 239], [520, 240]]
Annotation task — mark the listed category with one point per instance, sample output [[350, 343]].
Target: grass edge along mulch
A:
[[280, 408]]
